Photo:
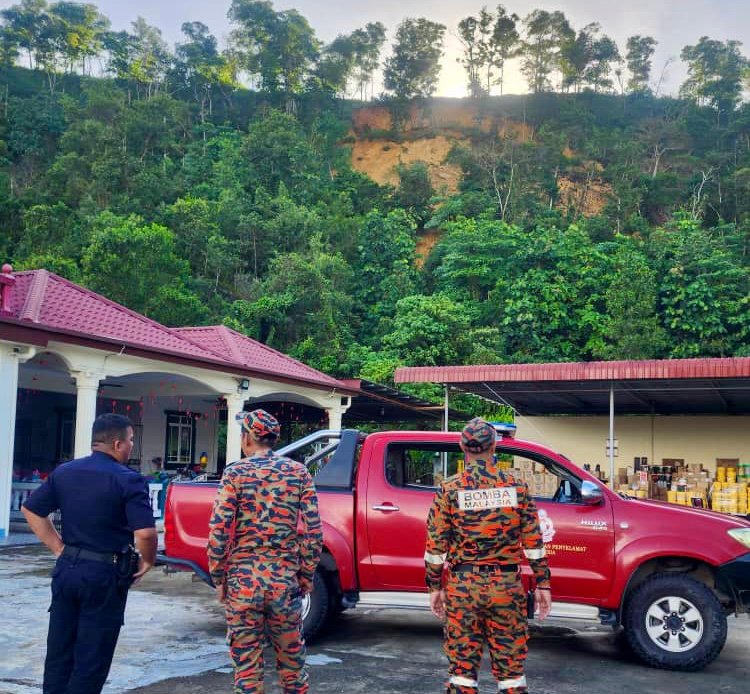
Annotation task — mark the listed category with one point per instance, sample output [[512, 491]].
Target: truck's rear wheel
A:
[[674, 622], [315, 608]]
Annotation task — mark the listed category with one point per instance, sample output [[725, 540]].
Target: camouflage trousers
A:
[[254, 612], [485, 608]]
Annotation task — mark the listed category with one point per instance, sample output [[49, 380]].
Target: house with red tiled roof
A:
[[68, 354]]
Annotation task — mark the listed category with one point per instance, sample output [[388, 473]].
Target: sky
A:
[[673, 23]]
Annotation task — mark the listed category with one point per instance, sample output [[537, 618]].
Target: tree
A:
[[604, 52], [489, 41], [415, 192], [429, 331], [412, 71], [703, 290], [632, 329], [336, 64], [640, 50], [500, 164], [276, 151], [130, 261], [277, 47], [48, 228], [368, 43], [472, 33], [199, 240], [119, 47], [201, 67], [585, 59], [302, 306], [23, 24], [503, 45], [83, 28], [470, 258], [149, 59], [385, 262], [50, 47], [715, 73], [546, 32]]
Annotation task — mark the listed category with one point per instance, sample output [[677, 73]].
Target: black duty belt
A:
[[484, 568], [80, 553]]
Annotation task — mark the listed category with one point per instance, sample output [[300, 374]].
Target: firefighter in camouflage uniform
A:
[[263, 547], [483, 523]]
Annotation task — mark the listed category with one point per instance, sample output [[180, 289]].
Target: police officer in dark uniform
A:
[[105, 511]]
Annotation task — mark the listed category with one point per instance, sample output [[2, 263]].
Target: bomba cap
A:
[[259, 423], [478, 435]]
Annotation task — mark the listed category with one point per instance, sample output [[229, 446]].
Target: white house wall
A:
[[155, 428], [693, 438]]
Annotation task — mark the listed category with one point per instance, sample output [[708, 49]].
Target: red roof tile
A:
[[50, 302], [47, 300], [241, 349], [708, 367]]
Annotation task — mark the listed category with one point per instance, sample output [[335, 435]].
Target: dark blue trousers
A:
[[86, 614]]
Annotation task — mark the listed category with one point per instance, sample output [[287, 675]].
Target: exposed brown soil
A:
[[429, 136], [379, 159], [425, 243]]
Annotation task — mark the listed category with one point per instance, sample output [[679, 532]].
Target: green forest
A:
[[202, 184]]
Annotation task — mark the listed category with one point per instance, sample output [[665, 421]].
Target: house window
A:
[[180, 440]]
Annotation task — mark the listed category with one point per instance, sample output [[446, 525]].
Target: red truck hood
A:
[[692, 515]]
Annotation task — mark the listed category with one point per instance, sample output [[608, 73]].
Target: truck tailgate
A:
[[186, 516]]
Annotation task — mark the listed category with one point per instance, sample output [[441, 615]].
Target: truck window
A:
[[421, 465], [545, 479]]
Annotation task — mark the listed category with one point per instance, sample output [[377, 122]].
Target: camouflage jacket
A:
[[265, 521], [480, 516]]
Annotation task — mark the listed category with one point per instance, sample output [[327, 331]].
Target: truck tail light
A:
[[169, 532]]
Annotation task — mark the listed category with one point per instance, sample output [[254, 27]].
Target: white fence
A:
[[20, 491]]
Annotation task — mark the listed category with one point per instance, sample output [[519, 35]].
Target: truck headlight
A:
[[742, 535]]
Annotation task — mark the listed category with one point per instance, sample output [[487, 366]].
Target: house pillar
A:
[[336, 412], [235, 405], [87, 387], [10, 358]]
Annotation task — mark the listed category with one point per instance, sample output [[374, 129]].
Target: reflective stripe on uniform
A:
[[535, 553], [502, 685], [462, 681], [435, 558]]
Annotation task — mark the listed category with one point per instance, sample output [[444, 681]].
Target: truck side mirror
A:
[[591, 494]]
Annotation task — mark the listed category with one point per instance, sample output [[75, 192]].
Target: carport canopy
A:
[[704, 386]]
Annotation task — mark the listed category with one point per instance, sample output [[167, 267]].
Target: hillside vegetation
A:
[[411, 230]]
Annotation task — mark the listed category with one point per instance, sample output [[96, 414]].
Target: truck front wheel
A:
[[315, 608], [674, 622]]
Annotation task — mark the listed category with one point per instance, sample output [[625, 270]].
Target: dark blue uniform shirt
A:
[[102, 502]]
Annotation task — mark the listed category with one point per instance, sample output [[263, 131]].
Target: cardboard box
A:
[[727, 462]]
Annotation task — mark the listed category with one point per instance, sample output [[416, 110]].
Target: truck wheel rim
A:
[[305, 606], [674, 624]]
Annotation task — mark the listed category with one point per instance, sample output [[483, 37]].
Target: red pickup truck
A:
[[669, 575]]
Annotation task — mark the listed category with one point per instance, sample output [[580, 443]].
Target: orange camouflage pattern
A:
[[481, 521], [485, 608], [264, 545]]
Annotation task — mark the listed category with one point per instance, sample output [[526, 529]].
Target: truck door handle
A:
[[385, 507]]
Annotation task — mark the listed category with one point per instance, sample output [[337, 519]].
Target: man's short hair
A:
[[109, 428]]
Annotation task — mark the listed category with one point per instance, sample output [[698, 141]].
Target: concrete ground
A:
[[173, 641]]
